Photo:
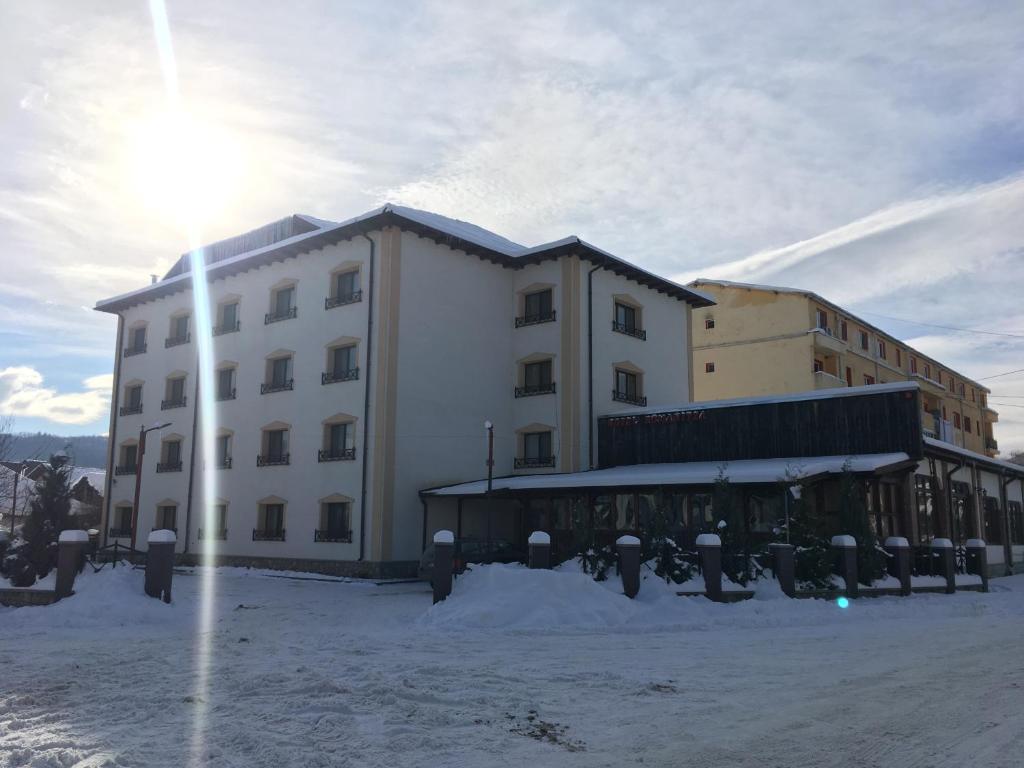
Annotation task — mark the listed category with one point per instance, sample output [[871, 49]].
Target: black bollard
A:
[[444, 556], [629, 564], [70, 551], [943, 558], [977, 560], [846, 555], [540, 550], [784, 566], [160, 563], [899, 561], [709, 545]]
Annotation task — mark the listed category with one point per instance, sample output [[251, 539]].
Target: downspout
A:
[[590, 364], [192, 461], [108, 481], [366, 400], [1004, 499]]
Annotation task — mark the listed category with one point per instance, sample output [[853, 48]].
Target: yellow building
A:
[[762, 340]]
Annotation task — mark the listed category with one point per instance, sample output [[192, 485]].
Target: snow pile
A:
[[162, 536], [72, 536]]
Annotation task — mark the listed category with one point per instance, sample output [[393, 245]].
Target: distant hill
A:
[[85, 450]]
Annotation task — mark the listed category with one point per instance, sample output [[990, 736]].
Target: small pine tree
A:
[[812, 552], [48, 515], [853, 520], [595, 559], [659, 534], [731, 527]]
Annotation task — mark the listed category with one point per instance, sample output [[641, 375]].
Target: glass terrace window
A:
[[275, 448], [226, 384], [175, 394], [136, 342], [339, 443], [345, 290], [343, 365], [279, 376], [627, 321], [536, 379], [270, 523], [224, 452], [220, 518], [334, 522], [179, 332], [229, 322], [171, 459], [536, 451], [536, 308], [627, 388], [132, 400], [283, 305]]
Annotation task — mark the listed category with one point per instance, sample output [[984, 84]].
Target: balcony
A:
[[991, 416], [166, 405], [128, 410], [279, 460], [343, 454], [258, 535], [119, 533], [230, 394], [132, 351], [220, 330], [826, 341], [352, 374], [219, 535], [277, 386], [991, 444], [823, 380], [334, 537], [536, 389], [534, 462], [126, 469], [625, 397], [537, 319], [168, 466], [277, 317], [928, 385], [177, 341], [224, 462], [340, 301], [629, 330]]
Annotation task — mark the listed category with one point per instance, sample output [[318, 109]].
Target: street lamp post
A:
[[143, 431]]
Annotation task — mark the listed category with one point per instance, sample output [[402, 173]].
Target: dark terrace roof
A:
[[292, 236]]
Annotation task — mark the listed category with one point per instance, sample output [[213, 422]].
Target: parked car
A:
[[473, 551]]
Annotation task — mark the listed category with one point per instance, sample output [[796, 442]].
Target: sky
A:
[[872, 152]]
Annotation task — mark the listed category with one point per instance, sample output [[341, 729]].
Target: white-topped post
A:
[[845, 547], [629, 564], [709, 547], [898, 549], [444, 559], [160, 563], [540, 550], [71, 546], [977, 560], [943, 562]]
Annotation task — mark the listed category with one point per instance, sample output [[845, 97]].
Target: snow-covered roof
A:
[[454, 232], [95, 477], [746, 471], [792, 397], [980, 458]]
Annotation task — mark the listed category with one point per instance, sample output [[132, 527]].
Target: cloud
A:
[[22, 393]]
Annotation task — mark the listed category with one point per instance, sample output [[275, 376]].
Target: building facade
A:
[[761, 340], [357, 363]]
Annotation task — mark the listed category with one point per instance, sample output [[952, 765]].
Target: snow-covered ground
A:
[[517, 668]]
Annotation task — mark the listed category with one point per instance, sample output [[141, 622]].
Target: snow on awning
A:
[[746, 471]]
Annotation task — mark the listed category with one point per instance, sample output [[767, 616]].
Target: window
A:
[[537, 308], [956, 420], [963, 392], [899, 358], [175, 393], [129, 460], [977, 425], [170, 458], [536, 451], [1015, 513], [136, 342], [279, 375], [339, 442], [925, 508], [967, 423], [282, 305], [220, 524], [913, 365], [179, 331], [223, 451], [927, 371], [228, 319], [884, 509], [849, 376], [945, 416], [844, 330], [819, 366], [822, 319], [334, 522], [132, 400], [342, 364], [122, 527], [627, 388], [864, 341], [344, 289], [709, 367], [881, 349], [275, 448], [973, 393], [709, 323], [627, 321], [868, 380], [166, 517], [270, 523], [226, 384], [993, 523], [536, 379]]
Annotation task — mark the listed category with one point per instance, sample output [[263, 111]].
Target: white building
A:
[[356, 364]]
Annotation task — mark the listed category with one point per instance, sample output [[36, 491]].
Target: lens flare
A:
[[843, 602]]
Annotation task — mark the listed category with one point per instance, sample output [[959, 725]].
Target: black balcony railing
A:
[[166, 405], [177, 341], [540, 317], [220, 330], [536, 389], [119, 533], [279, 460], [625, 397], [629, 330], [224, 463], [126, 469], [228, 394], [218, 535], [346, 298], [332, 536], [131, 351], [331, 377], [343, 454], [276, 386], [168, 466], [258, 535], [128, 410], [534, 462], [276, 317]]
